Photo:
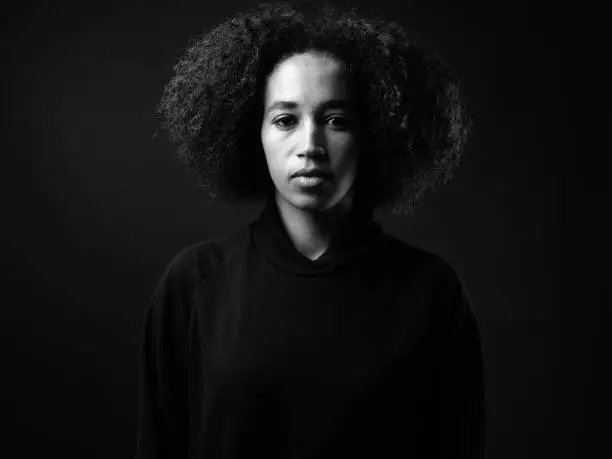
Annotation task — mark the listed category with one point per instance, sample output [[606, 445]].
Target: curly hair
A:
[[416, 120]]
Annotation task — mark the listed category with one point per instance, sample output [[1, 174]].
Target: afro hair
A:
[[416, 120]]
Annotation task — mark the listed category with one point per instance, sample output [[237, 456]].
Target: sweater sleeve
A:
[[163, 418], [462, 390]]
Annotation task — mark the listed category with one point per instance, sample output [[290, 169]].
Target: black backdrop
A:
[[94, 208]]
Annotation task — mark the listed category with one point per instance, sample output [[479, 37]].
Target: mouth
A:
[[312, 173], [310, 180]]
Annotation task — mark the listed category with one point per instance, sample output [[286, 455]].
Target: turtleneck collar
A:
[[357, 238]]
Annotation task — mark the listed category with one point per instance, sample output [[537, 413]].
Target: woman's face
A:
[[309, 122]]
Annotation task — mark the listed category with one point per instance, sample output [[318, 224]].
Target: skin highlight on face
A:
[[309, 121]]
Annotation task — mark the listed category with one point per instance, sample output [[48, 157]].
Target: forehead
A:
[[307, 78]]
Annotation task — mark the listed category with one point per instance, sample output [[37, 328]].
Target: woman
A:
[[310, 332]]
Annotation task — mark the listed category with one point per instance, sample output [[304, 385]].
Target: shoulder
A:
[[190, 266], [197, 261], [432, 275], [408, 261]]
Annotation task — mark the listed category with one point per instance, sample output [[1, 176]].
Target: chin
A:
[[312, 201], [309, 201]]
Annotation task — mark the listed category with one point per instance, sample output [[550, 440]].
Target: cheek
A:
[[346, 153], [343, 140], [269, 147], [273, 156], [274, 147]]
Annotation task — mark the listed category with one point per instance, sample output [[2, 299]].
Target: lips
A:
[[312, 173]]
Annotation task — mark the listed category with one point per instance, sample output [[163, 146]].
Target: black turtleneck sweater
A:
[[251, 349]]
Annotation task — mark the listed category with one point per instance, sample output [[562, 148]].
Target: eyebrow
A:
[[334, 103]]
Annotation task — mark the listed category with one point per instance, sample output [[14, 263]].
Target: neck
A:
[[312, 231]]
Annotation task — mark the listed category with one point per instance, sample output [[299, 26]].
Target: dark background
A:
[[94, 208]]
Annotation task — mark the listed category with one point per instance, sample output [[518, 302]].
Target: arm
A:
[[462, 395], [163, 418]]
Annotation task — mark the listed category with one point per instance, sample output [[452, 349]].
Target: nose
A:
[[313, 145]]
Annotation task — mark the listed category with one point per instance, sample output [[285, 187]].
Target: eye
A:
[[281, 120], [340, 121]]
